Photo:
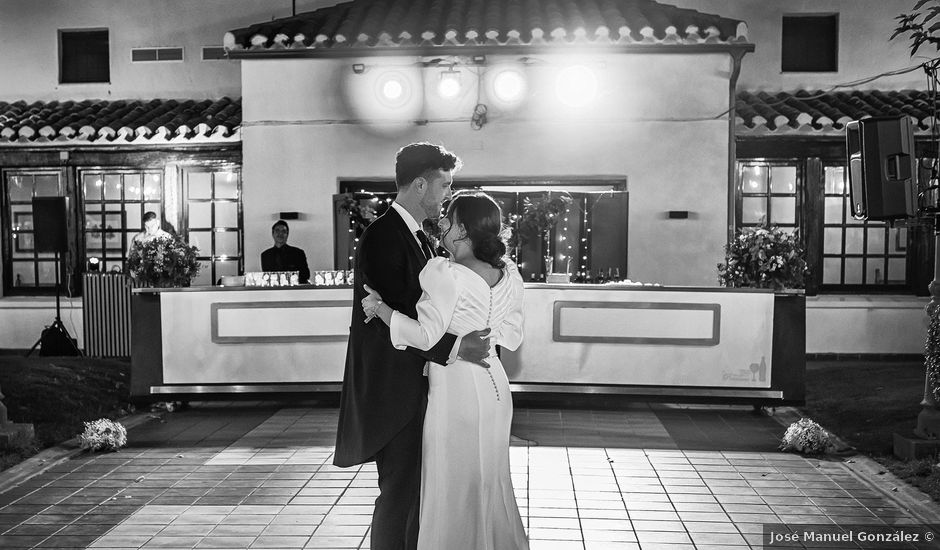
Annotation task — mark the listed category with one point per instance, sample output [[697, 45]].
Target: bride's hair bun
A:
[[483, 220], [491, 249]]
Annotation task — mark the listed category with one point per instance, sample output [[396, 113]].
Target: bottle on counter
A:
[[587, 277], [601, 278], [617, 274]]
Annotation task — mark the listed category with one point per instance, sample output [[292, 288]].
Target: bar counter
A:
[[672, 343]]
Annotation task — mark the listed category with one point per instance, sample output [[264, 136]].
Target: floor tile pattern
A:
[[261, 477]]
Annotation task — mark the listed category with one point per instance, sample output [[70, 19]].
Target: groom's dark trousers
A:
[[384, 394], [399, 466]]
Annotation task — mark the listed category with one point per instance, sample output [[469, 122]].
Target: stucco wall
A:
[[865, 324], [653, 122], [864, 49], [29, 40]]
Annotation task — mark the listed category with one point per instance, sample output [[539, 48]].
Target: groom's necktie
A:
[[425, 244]]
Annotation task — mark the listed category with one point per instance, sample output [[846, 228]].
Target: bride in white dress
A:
[[467, 500]]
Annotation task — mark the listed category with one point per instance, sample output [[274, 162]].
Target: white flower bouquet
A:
[[764, 257], [807, 437], [103, 434]]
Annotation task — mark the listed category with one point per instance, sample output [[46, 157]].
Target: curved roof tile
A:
[[763, 113], [394, 23], [94, 121]]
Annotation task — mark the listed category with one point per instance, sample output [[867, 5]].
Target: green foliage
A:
[[932, 354], [764, 257], [920, 25], [541, 214], [163, 262]]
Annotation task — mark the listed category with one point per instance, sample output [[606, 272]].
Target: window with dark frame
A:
[[769, 193], [213, 214], [27, 271], [114, 203], [810, 43], [855, 256], [856, 252], [84, 56]]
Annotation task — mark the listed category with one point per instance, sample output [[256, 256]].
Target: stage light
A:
[[509, 85], [576, 86], [393, 89], [449, 85]]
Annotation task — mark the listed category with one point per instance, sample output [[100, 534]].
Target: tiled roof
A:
[[776, 113], [131, 122], [371, 24]]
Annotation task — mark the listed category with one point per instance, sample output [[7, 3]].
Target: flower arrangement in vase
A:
[[764, 257], [164, 261], [541, 215]]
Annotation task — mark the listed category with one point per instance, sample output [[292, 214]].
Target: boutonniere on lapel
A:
[[433, 231]]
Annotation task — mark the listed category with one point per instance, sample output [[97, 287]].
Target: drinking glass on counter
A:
[[333, 278]]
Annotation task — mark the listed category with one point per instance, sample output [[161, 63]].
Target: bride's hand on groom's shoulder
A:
[[475, 347]]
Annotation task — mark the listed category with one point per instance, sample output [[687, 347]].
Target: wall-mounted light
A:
[[359, 68], [393, 89], [449, 84], [94, 265], [479, 59], [509, 85]]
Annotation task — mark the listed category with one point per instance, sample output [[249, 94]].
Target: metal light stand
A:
[[57, 324]]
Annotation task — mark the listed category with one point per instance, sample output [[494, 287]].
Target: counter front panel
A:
[[656, 337], [666, 341]]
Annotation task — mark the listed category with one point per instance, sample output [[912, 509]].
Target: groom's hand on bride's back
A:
[[475, 347]]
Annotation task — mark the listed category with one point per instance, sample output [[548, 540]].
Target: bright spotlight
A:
[[509, 85], [576, 86], [449, 85], [392, 89]]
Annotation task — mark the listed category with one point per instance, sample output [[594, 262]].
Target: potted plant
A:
[[540, 216], [764, 257], [164, 261]]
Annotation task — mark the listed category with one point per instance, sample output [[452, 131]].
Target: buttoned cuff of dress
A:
[[394, 329]]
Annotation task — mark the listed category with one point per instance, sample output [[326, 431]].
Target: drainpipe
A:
[[736, 57]]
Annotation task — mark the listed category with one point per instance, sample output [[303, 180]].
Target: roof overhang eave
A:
[[340, 52]]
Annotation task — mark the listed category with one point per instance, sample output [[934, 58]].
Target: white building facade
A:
[[289, 122]]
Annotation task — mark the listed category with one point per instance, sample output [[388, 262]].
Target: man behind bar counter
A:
[[284, 257]]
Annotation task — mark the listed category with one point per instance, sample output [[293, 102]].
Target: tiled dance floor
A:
[[259, 476]]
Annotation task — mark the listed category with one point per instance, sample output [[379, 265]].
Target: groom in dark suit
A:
[[384, 395]]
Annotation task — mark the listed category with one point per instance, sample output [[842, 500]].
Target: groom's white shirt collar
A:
[[410, 221]]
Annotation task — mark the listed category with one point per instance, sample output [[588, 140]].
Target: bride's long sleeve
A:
[[509, 334], [435, 308]]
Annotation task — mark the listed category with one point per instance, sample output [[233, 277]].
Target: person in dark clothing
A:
[[284, 257]]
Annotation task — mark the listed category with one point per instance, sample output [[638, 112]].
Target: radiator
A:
[[107, 314]]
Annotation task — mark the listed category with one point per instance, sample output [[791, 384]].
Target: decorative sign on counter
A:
[[272, 278]]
